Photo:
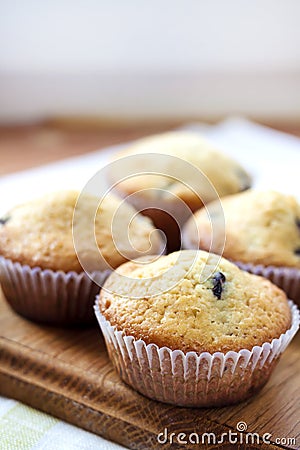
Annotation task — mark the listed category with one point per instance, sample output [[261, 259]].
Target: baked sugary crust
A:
[[225, 174], [261, 228], [39, 233], [230, 310]]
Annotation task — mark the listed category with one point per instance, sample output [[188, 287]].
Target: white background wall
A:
[[139, 58]]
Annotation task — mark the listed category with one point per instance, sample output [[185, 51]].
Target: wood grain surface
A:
[[23, 147], [67, 373]]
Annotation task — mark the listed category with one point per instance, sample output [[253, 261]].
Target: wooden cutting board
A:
[[67, 373]]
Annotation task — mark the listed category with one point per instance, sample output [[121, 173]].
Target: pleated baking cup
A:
[[48, 296], [287, 278], [192, 379]]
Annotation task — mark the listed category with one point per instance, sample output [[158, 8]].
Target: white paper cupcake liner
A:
[[191, 379], [48, 296], [287, 278]]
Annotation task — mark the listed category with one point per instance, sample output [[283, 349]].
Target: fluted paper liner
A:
[[286, 278], [192, 379], [48, 296]]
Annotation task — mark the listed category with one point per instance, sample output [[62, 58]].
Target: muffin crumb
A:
[[262, 227]]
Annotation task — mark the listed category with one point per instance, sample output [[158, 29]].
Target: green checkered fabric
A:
[[25, 428]]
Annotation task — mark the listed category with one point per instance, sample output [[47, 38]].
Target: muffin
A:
[[212, 339], [262, 235], [40, 271], [186, 172]]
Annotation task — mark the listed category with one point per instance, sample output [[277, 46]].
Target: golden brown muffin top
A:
[[225, 174], [39, 232], [261, 228], [231, 310]]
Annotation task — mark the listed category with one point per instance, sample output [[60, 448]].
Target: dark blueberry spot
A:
[[298, 223], [4, 220], [245, 187], [244, 178], [218, 281], [297, 251]]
